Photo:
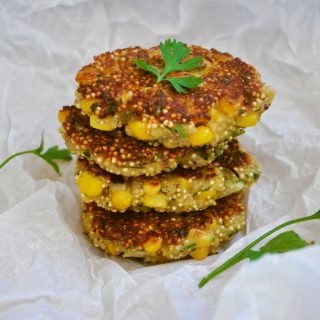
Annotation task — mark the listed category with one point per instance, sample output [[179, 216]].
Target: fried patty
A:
[[118, 153], [114, 92], [158, 237], [179, 191]]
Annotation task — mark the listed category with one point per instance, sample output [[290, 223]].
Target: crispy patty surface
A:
[[119, 153], [114, 92], [181, 190], [158, 237]]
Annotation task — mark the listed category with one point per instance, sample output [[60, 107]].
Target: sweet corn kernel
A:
[[158, 200], [121, 199], [87, 75], [85, 104], [182, 183], [200, 253], [248, 120], [89, 184], [229, 107], [151, 187], [112, 248], [62, 115], [138, 129], [201, 238], [126, 96], [153, 244], [215, 114], [205, 195], [106, 124], [201, 136]]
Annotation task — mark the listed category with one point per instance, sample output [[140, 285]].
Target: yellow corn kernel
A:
[[151, 187], [138, 129], [126, 96], [215, 114], [201, 238], [112, 248], [89, 184], [121, 199], [158, 200], [248, 119], [229, 107], [181, 183], [62, 115], [106, 124], [205, 195], [87, 75], [200, 253], [201, 136], [85, 104], [153, 244]]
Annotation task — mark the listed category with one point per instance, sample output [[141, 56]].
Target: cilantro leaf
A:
[[52, 154], [173, 53], [284, 242], [188, 82]]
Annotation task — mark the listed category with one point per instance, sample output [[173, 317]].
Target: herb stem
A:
[[15, 155], [243, 253]]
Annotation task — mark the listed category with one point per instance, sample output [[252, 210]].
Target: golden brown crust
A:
[[133, 229], [113, 73]]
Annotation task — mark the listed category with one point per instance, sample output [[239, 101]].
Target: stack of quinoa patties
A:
[[161, 174]]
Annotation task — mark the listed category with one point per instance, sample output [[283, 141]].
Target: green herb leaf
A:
[[187, 82], [146, 67], [52, 154], [244, 253], [284, 242], [173, 53]]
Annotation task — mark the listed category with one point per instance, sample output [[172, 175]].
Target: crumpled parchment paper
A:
[[48, 269]]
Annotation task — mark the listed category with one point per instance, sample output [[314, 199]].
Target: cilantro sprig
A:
[[173, 53], [284, 242], [50, 156]]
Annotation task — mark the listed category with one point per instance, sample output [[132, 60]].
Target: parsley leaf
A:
[[173, 53], [282, 243], [52, 154]]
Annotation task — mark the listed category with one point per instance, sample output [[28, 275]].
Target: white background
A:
[[48, 269]]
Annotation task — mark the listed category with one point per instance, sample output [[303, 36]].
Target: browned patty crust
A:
[[118, 153]]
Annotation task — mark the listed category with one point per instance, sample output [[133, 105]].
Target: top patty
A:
[[114, 92]]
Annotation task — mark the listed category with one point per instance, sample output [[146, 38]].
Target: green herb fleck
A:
[[203, 154], [86, 153], [52, 154], [188, 246], [284, 242], [173, 53], [181, 131], [94, 106], [226, 80], [256, 175]]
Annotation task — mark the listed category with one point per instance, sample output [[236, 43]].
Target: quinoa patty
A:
[[179, 191], [120, 154], [114, 92], [158, 237]]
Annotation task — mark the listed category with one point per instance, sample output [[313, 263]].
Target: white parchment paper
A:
[[48, 269]]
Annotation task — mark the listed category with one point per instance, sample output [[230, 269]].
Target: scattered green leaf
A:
[[284, 242], [292, 243], [50, 156]]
